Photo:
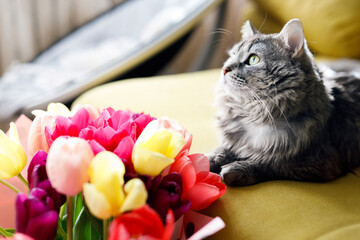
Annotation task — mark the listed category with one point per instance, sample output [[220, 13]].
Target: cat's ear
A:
[[293, 35], [248, 30]]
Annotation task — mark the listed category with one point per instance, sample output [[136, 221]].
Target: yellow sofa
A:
[[276, 209], [270, 210]]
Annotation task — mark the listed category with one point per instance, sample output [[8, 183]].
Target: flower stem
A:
[[70, 206], [22, 179], [4, 233], [105, 228], [9, 185]]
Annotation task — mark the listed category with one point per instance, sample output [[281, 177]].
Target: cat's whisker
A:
[[262, 24], [229, 36], [222, 31]]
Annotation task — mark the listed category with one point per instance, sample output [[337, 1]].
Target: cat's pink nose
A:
[[226, 70]]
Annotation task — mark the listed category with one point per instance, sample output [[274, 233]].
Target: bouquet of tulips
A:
[[105, 175]]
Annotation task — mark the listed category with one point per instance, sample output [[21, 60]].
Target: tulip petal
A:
[[67, 164], [215, 179], [103, 137], [143, 222], [58, 109], [81, 119], [187, 170], [159, 142], [141, 121], [93, 112], [201, 164], [8, 168], [36, 138], [201, 195], [149, 163], [38, 159], [125, 147], [38, 175], [43, 227], [13, 134], [118, 118], [107, 170], [96, 147], [21, 215], [169, 226], [96, 202], [57, 198], [13, 150], [20, 236], [136, 195]]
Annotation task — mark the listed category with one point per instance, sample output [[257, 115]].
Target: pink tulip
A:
[[93, 112], [114, 131], [36, 139], [20, 236], [68, 126], [200, 186], [67, 164]]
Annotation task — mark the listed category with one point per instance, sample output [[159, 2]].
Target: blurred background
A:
[[29, 27], [54, 50]]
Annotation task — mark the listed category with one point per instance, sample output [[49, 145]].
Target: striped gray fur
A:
[[283, 118]]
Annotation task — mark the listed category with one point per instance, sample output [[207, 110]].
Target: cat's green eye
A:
[[253, 59]]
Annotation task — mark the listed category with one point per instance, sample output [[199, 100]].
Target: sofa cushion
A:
[[332, 27], [270, 210]]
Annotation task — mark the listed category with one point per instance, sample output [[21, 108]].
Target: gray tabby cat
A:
[[280, 118]]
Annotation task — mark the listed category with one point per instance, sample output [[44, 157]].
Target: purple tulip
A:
[[37, 178], [38, 160], [145, 178], [166, 193], [36, 215]]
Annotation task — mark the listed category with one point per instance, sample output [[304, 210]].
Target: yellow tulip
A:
[[12, 154], [56, 109], [156, 149], [105, 195], [136, 195]]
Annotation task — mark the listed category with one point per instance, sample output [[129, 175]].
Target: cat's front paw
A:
[[219, 158], [215, 163], [237, 174]]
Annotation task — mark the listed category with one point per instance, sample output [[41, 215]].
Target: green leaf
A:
[[83, 228], [78, 206], [8, 232], [95, 222]]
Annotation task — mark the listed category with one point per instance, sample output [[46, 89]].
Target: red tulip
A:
[[200, 186], [144, 222]]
